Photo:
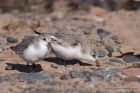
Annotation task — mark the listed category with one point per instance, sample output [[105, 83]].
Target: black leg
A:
[[60, 60], [34, 65], [30, 67]]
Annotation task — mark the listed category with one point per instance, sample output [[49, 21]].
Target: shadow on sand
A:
[[60, 61], [25, 68]]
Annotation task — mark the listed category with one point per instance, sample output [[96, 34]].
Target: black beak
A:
[[36, 32]]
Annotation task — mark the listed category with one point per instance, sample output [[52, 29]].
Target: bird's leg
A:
[[60, 60], [34, 65], [30, 67]]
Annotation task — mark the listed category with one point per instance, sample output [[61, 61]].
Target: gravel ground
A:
[[114, 34]]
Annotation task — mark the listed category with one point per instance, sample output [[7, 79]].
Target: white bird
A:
[[69, 46], [33, 49]]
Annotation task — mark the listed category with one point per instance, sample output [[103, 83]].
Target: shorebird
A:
[[33, 49], [70, 46]]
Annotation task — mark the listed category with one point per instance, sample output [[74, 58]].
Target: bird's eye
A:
[[44, 39]]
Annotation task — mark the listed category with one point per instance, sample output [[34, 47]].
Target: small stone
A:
[[77, 74], [116, 54], [126, 50], [65, 76], [35, 76], [58, 17], [51, 82], [99, 43], [110, 50], [1, 79], [103, 33], [9, 67], [108, 73], [38, 90], [87, 32], [116, 39], [101, 53], [102, 91], [1, 48], [54, 65], [130, 58], [11, 40], [132, 72], [115, 60], [99, 19]]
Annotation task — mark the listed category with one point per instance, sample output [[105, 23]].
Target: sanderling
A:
[[33, 49], [70, 46]]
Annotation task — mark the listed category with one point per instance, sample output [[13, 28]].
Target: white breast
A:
[[68, 52], [33, 54]]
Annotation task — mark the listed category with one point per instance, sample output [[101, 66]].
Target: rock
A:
[[115, 60], [100, 91], [1, 48], [99, 43], [1, 79], [77, 74], [116, 39], [99, 19], [108, 73], [58, 16], [130, 58], [54, 65], [87, 32], [101, 53], [126, 50], [65, 76], [9, 67], [132, 72], [51, 82], [37, 90], [35, 76], [107, 41], [110, 50], [116, 54], [103, 33], [11, 40]]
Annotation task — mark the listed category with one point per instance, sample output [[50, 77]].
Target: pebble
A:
[[35, 76], [100, 91], [54, 65], [115, 60], [99, 19], [126, 50], [51, 82], [132, 72], [110, 50], [11, 40], [103, 33], [77, 74], [106, 74], [116, 39], [116, 54], [101, 53], [1, 48], [99, 43], [130, 58], [1, 79], [87, 32], [9, 67], [36, 90], [59, 16]]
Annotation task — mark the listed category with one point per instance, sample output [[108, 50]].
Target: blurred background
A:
[[49, 6]]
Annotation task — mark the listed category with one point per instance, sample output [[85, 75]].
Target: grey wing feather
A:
[[19, 48]]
